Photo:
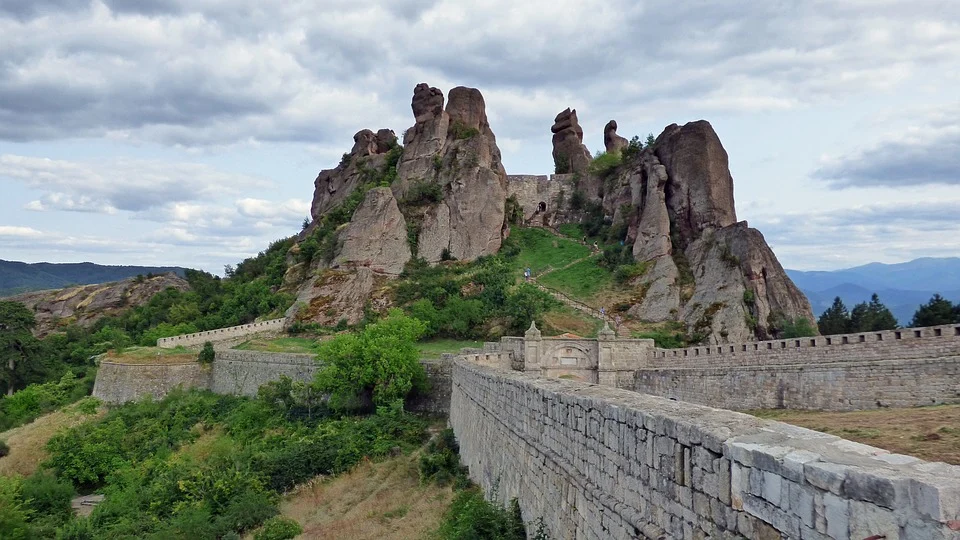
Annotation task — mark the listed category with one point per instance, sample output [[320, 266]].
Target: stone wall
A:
[[532, 190], [221, 334], [242, 373], [119, 383], [897, 368], [600, 462]]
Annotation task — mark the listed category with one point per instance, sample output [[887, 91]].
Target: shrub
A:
[[440, 462], [605, 163], [47, 495], [423, 192], [749, 297], [207, 354], [278, 528], [626, 272], [459, 130], [471, 516]]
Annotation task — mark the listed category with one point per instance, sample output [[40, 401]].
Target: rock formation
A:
[[445, 200], [451, 155], [569, 153], [702, 268], [611, 141], [332, 186], [376, 237], [86, 304]]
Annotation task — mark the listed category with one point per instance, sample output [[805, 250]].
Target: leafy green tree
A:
[[835, 320], [17, 344], [378, 365], [937, 311], [207, 354], [651, 140], [871, 317]]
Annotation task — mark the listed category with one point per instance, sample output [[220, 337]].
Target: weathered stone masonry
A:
[[242, 373], [600, 462], [897, 368]]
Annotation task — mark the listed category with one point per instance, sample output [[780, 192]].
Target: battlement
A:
[[221, 334]]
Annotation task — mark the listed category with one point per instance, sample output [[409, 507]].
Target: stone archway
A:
[[542, 207]]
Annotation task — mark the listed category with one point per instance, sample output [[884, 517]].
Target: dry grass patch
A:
[[373, 501], [28, 443], [929, 433], [566, 319]]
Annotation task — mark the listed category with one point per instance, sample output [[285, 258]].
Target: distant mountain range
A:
[[902, 287], [18, 277]]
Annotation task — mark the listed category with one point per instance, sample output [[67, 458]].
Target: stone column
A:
[[532, 346], [606, 365]]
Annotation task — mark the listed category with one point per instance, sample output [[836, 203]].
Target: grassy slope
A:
[[152, 355], [374, 500], [433, 348], [930, 433], [28, 442], [541, 250]]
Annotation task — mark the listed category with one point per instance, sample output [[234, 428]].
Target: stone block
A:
[[871, 486], [772, 485], [826, 476], [868, 520], [836, 513]]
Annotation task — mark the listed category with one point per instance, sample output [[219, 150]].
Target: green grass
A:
[[151, 352], [566, 319], [281, 344], [573, 230], [580, 281], [433, 348], [540, 250]]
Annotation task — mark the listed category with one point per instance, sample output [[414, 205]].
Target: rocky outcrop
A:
[[451, 183], [611, 141], [376, 237], [569, 153], [85, 305], [699, 195], [702, 268], [332, 186]]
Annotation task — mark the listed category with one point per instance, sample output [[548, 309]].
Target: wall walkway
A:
[[221, 334]]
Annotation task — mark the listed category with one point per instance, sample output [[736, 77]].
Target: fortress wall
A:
[[905, 343], [832, 386], [119, 383], [600, 462], [213, 336], [242, 373], [531, 190]]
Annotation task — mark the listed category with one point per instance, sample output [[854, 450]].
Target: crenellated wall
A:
[[221, 334], [600, 462]]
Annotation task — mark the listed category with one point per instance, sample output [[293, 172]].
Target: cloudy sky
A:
[[189, 132]]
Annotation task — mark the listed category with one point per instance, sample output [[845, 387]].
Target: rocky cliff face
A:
[[85, 305], [703, 268], [451, 183], [444, 198], [570, 155]]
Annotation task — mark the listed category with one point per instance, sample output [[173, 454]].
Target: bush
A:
[[626, 272], [422, 193], [471, 516], [46, 495], [440, 462], [207, 354], [605, 163], [278, 528], [459, 130]]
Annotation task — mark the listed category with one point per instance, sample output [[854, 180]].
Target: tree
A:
[[835, 320], [871, 317], [207, 354], [17, 343], [378, 365], [937, 311]]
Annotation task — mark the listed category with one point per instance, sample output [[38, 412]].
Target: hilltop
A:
[[20, 277]]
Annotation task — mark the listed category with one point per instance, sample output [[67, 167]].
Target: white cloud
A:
[[121, 184]]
